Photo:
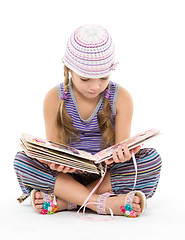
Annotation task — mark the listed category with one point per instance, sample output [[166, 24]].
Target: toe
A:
[[38, 207], [39, 201], [38, 198], [136, 199], [38, 195], [136, 207]]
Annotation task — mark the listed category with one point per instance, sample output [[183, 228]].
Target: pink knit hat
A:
[[90, 52]]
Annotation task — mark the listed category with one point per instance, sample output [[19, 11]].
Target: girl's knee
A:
[[150, 155], [21, 164], [155, 156], [149, 164], [149, 170], [17, 160], [21, 160]]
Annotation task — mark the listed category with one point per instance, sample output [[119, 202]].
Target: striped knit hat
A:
[[90, 52]]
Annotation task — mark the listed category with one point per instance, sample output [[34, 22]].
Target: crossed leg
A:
[[68, 189]]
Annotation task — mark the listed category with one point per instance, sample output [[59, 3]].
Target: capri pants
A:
[[32, 174]]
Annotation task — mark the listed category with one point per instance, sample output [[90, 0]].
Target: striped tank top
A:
[[90, 136]]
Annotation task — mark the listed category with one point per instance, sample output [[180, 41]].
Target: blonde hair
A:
[[68, 132]]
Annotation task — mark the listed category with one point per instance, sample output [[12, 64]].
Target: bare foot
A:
[[116, 202], [61, 204]]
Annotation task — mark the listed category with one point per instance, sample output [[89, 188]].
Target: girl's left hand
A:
[[122, 154]]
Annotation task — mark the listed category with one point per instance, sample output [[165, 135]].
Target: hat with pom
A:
[[90, 52]]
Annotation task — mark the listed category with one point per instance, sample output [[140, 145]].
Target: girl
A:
[[89, 112]]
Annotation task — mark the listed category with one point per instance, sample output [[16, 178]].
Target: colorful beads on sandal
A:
[[50, 205], [128, 211], [49, 208]]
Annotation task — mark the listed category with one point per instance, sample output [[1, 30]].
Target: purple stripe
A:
[[109, 58], [28, 174], [32, 163], [88, 70], [90, 136]]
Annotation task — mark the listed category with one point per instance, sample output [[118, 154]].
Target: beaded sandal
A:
[[50, 203], [127, 205], [101, 201]]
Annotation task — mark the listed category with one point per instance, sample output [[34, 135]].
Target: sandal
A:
[[50, 203], [127, 205]]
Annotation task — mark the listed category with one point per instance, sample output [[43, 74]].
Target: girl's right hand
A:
[[61, 168], [58, 167]]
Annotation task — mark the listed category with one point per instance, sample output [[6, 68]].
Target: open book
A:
[[61, 154]]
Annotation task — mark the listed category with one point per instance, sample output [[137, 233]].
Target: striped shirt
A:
[[90, 136]]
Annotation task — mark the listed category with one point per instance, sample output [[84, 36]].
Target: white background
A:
[[149, 38]]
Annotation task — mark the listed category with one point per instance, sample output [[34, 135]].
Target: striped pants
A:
[[32, 174]]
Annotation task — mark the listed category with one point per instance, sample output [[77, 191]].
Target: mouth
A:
[[93, 93]]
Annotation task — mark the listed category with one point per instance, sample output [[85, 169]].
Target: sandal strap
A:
[[101, 202], [129, 198], [71, 206]]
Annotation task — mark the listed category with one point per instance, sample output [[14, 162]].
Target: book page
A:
[[57, 146], [38, 148]]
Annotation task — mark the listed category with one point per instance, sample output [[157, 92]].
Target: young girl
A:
[[89, 112]]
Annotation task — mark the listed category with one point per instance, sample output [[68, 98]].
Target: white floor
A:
[[164, 218]]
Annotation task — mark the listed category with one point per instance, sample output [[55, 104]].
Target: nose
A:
[[94, 85]]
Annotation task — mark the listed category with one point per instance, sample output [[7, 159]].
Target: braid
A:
[[67, 131], [105, 123]]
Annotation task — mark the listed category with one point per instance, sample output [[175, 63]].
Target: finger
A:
[[109, 161], [60, 168], [71, 170], [115, 157], [66, 169], [126, 152], [53, 166], [120, 154], [136, 149]]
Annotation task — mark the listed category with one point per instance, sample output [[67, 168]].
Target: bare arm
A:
[[124, 110], [50, 110], [124, 113]]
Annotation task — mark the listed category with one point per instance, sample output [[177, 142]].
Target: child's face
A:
[[89, 87]]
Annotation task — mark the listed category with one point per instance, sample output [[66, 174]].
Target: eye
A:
[[85, 79], [105, 78]]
